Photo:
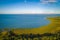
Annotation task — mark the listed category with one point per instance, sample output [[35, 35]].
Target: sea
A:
[[24, 20]]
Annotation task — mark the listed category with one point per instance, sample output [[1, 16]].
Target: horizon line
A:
[[29, 13]]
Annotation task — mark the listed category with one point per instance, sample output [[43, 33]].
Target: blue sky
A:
[[29, 6]]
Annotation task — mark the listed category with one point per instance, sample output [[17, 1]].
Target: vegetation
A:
[[10, 35]]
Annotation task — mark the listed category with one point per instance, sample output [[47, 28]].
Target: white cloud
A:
[[48, 1]]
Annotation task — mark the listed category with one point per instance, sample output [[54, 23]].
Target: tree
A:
[[48, 35], [22, 36], [26, 36], [39, 36], [31, 36]]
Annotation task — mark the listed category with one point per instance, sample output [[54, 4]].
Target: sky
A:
[[29, 6]]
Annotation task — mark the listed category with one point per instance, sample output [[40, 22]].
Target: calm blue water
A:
[[24, 20]]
